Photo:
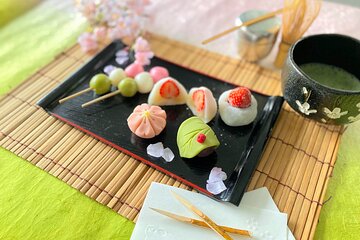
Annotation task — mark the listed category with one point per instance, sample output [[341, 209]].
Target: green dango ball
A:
[[127, 87], [100, 83]]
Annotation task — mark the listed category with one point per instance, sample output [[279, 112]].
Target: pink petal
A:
[[100, 33], [141, 45]]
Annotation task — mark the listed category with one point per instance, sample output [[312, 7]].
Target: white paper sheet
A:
[[261, 198], [264, 224]]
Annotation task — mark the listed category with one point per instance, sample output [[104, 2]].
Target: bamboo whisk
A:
[[297, 18]]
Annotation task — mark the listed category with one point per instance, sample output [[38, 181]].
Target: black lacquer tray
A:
[[238, 154]]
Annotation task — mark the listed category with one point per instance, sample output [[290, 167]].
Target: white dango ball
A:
[[116, 76], [144, 82]]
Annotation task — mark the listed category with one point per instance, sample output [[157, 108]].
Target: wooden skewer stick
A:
[[247, 23], [200, 223], [206, 219], [74, 95], [101, 98]]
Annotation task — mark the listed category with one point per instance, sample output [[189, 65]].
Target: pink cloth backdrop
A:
[[192, 21]]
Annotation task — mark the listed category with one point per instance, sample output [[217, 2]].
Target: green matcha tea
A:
[[331, 76]]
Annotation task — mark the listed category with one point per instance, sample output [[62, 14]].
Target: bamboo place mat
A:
[[296, 165]]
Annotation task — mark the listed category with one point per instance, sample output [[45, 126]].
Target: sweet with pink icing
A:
[[134, 69], [147, 121]]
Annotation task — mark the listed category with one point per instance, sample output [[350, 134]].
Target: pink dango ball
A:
[[133, 69], [158, 73]]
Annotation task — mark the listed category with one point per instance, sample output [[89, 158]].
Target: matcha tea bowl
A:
[[321, 78]]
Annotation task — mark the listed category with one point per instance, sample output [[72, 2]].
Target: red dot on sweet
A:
[[201, 138]]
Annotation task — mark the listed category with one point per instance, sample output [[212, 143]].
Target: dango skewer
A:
[[100, 84], [126, 87]]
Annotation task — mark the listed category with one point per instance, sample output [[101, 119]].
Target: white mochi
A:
[[234, 116], [144, 82], [116, 76], [210, 106], [155, 97]]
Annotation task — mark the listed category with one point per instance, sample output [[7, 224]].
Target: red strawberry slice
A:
[[199, 100], [169, 89], [240, 97]]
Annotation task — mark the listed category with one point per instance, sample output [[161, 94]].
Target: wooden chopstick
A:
[[247, 23], [201, 223], [206, 219]]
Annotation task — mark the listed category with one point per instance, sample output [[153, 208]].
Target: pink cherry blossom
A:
[[116, 20], [141, 45], [100, 33], [117, 33], [143, 58], [88, 42]]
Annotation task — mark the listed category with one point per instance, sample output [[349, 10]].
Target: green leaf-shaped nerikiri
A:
[[187, 135]]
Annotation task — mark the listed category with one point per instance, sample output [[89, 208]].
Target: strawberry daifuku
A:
[[167, 91], [202, 103], [237, 107], [147, 121]]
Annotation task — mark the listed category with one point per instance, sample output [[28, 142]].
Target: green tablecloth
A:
[[35, 205]]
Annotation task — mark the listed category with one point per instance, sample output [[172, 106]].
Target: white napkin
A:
[[264, 224]]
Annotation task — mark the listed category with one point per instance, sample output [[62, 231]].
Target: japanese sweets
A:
[[202, 103], [196, 138], [167, 91], [147, 121], [237, 107]]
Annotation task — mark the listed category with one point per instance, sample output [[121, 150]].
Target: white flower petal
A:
[[353, 119], [326, 110], [336, 110], [216, 187], [305, 91], [216, 174], [343, 113], [168, 155], [306, 106], [155, 150]]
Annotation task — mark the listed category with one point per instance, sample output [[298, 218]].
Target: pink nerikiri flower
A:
[[100, 33], [88, 42]]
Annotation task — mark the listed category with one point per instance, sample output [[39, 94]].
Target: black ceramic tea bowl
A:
[[316, 100]]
